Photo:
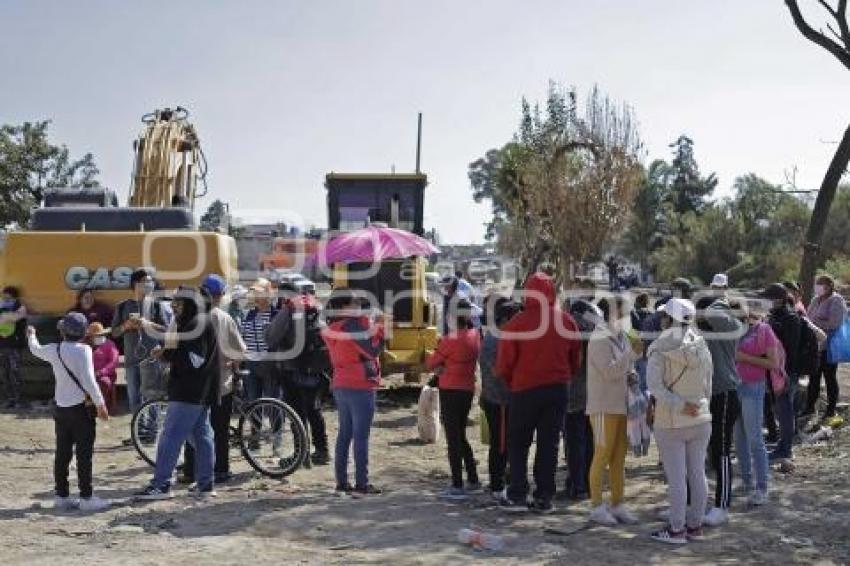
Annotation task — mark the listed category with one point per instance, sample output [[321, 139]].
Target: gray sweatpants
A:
[[683, 455]]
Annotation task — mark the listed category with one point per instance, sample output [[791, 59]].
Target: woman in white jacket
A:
[[611, 355], [679, 377]]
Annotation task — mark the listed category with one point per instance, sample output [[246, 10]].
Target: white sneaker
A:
[[758, 497], [716, 517], [602, 515], [65, 503], [623, 515], [94, 503]]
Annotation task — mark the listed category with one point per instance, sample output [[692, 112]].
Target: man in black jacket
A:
[[787, 326], [191, 347]]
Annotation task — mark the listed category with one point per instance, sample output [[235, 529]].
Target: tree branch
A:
[[828, 8], [840, 53], [841, 18]]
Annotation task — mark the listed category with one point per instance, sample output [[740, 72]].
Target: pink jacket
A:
[[105, 358]]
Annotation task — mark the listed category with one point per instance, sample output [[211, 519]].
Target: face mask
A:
[[99, 340], [820, 290], [149, 287]]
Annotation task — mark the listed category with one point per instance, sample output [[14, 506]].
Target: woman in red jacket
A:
[[354, 343], [457, 355]]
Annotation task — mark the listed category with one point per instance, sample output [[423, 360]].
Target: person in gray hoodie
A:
[[721, 331], [678, 375], [827, 310]]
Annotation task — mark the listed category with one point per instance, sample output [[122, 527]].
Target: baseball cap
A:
[[215, 284], [680, 310], [720, 280], [73, 325], [775, 292]]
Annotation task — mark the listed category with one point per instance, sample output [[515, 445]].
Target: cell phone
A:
[[135, 316]]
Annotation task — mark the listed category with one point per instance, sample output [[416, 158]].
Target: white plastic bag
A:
[[429, 414]]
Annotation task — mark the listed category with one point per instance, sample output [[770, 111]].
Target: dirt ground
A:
[[260, 521]]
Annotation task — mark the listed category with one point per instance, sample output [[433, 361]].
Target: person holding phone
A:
[[76, 396]]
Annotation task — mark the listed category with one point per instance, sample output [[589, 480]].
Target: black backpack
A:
[[807, 352], [313, 357]]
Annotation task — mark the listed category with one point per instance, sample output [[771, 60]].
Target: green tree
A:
[[689, 190], [647, 226], [29, 163], [216, 216]]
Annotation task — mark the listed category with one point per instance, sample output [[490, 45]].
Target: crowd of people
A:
[[600, 375]]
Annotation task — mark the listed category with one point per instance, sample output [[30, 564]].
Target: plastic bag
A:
[[428, 421], [484, 426], [838, 346]]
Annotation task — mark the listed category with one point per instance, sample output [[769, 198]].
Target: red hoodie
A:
[[457, 352], [546, 357]]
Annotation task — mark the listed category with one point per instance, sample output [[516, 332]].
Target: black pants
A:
[[770, 412], [75, 430], [578, 446], [725, 409], [497, 456], [307, 402], [454, 407], [539, 410], [829, 373], [220, 422]]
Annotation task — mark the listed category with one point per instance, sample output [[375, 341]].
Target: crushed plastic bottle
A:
[[479, 539]]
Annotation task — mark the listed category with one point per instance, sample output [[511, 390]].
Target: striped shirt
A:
[[254, 329]]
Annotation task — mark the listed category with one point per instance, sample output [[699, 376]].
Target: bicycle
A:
[[268, 432]]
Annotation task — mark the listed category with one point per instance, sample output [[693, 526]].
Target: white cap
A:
[[720, 280], [680, 310]]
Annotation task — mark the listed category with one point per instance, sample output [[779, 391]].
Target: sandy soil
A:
[[259, 521]]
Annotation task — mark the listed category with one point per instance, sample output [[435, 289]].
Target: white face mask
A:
[[149, 287], [99, 340], [820, 290]]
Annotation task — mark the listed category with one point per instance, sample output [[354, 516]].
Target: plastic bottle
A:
[[480, 539]]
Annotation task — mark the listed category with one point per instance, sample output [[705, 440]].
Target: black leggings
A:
[[75, 429], [725, 408], [497, 457], [455, 406], [829, 373]]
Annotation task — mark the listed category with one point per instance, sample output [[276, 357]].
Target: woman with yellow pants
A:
[[611, 354]]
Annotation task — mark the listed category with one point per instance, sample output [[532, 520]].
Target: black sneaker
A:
[[223, 477], [154, 493], [542, 507], [205, 492], [367, 490], [320, 458], [509, 506], [343, 488]]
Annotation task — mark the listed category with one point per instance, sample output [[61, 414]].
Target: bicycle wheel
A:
[[146, 429], [272, 437]]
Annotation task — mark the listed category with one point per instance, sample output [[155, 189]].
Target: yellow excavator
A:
[[81, 239]]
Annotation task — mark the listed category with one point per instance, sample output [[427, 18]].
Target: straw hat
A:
[[96, 329]]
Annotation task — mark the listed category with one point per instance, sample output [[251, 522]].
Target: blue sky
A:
[[283, 92]]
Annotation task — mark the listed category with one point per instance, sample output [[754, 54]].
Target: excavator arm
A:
[[168, 162]]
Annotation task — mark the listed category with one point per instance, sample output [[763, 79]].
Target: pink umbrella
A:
[[372, 243]]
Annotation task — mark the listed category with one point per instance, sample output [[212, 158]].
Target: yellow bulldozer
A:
[[81, 239]]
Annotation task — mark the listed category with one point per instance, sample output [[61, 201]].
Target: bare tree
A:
[[836, 40]]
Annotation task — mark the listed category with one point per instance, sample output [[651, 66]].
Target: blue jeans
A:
[[134, 386], [356, 408], [749, 439], [784, 407], [185, 421], [640, 368]]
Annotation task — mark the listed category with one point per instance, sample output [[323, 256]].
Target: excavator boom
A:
[[168, 163]]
